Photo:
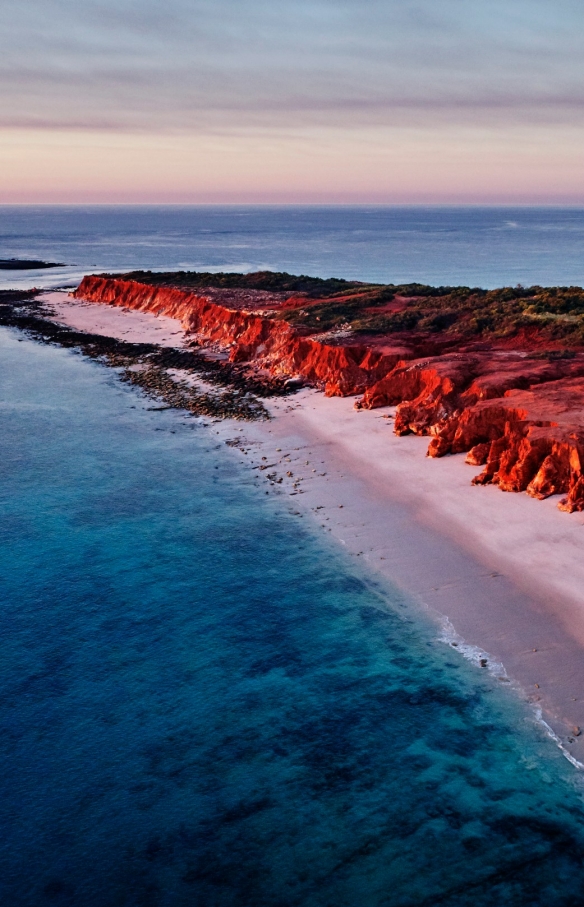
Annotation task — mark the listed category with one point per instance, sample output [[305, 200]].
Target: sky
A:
[[290, 101]]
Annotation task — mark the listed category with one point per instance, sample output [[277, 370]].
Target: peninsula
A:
[[498, 374]]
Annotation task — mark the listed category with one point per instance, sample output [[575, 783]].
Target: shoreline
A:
[[471, 593], [503, 570]]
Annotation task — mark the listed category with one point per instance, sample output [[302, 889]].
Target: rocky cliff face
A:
[[520, 418], [527, 440], [517, 412], [252, 336]]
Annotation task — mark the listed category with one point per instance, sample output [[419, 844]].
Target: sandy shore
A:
[[501, 573], [123, 324]]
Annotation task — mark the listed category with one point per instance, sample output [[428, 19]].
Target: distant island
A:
[[498, 374], [26, 264]]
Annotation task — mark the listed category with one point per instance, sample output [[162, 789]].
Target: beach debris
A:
[[576, 731]]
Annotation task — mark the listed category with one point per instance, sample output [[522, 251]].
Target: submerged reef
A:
[[495, 373]]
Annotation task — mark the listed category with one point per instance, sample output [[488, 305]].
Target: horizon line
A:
[[576, 205]]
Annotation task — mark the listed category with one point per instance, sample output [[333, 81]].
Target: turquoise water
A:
[[203, 703]]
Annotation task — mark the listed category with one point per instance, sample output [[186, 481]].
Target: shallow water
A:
[[486, 247], [205, 704]]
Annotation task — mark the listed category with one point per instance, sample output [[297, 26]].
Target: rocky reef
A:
[[497, 374], [180, 378]]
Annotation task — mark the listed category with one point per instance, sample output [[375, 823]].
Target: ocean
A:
[[485, 247], [203, 702]]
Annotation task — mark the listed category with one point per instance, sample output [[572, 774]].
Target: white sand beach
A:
[[135, 327], [502, 572]]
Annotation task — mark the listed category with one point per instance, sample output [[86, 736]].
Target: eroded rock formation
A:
[[520, 418], [248, 333], [516, 410]]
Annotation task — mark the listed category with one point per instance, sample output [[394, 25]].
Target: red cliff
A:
[[247, 336], [520, 418], [516, 411]]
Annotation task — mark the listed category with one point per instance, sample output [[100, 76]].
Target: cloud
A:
[[200, 66]]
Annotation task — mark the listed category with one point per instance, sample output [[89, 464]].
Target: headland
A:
[[496, 374]]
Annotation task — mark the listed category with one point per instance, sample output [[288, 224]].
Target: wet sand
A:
[[501, 574]]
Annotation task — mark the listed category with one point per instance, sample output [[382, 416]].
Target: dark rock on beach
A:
[[231, 390]]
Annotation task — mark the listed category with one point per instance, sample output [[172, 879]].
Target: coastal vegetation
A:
[[271, 281], [554, 314]]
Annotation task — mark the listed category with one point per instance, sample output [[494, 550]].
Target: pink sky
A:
[[315, 101]]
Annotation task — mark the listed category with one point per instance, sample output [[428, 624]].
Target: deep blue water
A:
[[486, 247], [202, 703]]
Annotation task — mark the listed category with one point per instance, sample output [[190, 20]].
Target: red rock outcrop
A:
[[248, 336], [530, 440], [520, 418], [518, 414], [427, 390]]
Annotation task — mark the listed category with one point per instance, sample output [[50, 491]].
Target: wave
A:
[[484, 660]]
